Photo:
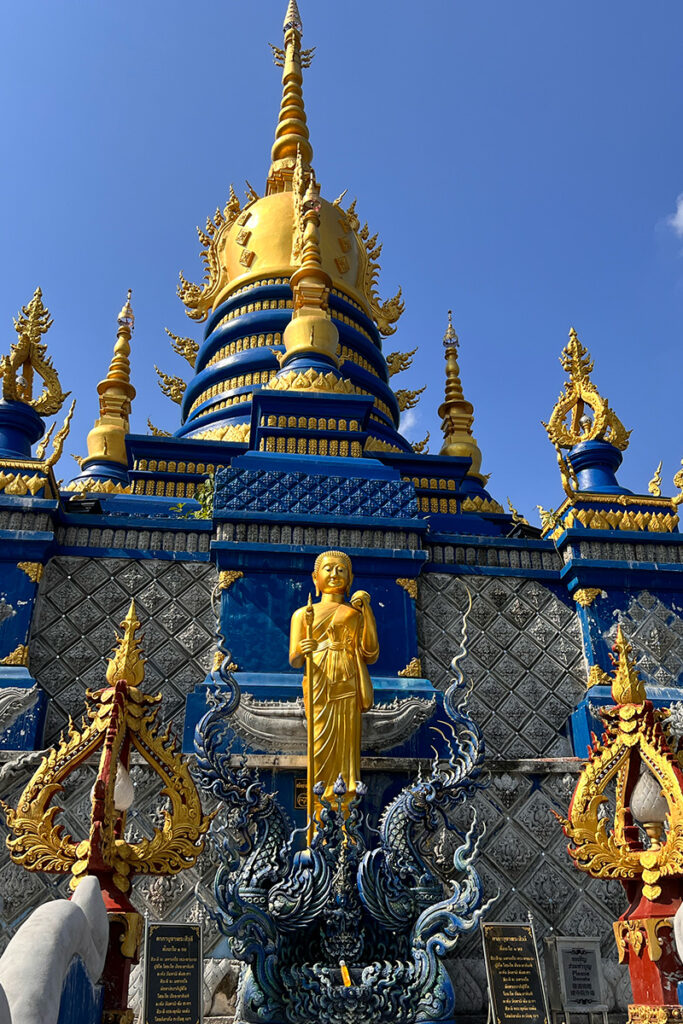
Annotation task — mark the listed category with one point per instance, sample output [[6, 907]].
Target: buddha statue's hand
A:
[[360, 600], [308, 646]]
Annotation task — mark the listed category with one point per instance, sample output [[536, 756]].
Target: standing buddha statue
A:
[[337, 642]]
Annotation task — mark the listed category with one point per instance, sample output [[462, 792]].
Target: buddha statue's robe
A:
[[342, 688]]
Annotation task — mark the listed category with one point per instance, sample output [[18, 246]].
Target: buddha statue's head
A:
[[332, 573]]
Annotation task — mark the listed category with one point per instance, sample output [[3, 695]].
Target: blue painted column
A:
[[22, 703]]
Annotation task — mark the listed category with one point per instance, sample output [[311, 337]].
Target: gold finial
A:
[[655, 485], [580, 393], [106, 440], [456, 413], [450, 338], [127, 663], [291, 134], [311, 330], [126, 317], [627, 686], [28, 357]]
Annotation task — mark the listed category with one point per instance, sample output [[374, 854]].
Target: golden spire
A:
[[310, 331], [580, 394], [28, 357], [291, 134], [627, 686], [126, 662], [457, 414], [106, 440]]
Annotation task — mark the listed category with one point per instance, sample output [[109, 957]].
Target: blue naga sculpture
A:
[[340, 931]]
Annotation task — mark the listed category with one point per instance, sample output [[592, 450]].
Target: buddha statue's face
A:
[[332, 577]]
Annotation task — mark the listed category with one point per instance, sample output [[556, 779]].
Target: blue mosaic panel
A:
[[260, 490]]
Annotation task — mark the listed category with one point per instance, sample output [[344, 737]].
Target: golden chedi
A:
[[337, 647]]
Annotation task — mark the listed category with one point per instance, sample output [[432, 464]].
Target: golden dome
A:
[[259, 243]]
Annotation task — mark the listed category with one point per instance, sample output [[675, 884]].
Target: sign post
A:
[[173, 974], [513, 972]]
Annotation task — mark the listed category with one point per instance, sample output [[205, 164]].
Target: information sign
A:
[[516, 991], [173, 974], [580, 971]]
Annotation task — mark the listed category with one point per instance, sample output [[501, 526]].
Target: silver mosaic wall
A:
[[81, 602], [656, 635], [524, 862], [524, 657]]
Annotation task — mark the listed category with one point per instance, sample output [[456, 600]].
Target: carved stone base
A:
[[642, 1013]]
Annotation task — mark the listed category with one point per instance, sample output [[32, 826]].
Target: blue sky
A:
[[521, 163]]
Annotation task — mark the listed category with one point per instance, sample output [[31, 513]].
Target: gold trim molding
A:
[[226, 578], [586, 596], [413, 670], [34, 570], [409, 585], [19, 656], [636, 933]]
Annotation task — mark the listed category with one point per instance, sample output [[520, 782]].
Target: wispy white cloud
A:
[[675, 221], [408, 421]]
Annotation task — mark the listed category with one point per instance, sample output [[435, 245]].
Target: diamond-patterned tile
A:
[[531, 649], [69, 654]]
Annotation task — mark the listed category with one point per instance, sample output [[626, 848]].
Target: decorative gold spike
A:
[[655, 485], [408, 399], [60, 438], [127, 663], [678, 483], [156, 431], [291, 133], [457, 415], [172, 387], [550, 518], [580, 393], [399, 361], [185, 347], [517, 517], [338, 200], [252, 194], [42, 447], [352, 216], [421, 447], [28, 357], [106, 440], [232, 207], [627, 686]]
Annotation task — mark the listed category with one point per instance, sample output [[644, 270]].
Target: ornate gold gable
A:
[[636, 741], [118, 716]]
